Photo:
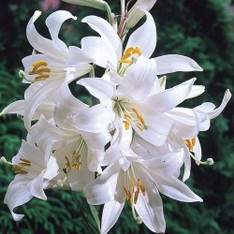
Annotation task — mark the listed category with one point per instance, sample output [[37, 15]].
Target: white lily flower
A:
[[48, 67], [139, 180], [34, 171], [136, 105], [107, 50]]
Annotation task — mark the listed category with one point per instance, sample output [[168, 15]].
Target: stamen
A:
[[126, 124], [40, 68], [25, 160], [126, 115], [75, 163], [132, 183], [128, 53], [190, 143]]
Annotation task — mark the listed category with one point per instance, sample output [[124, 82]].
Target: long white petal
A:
[[150, 207], [172, 63], [197, 90], [217, 111], [17, 195], [101, 51], [54, 23], [103, 189], [145, 37], [110, 215], [175, 189], [139, 82], [106, 31], [170, 98], [16, 107], [40, 43], [99, 88]]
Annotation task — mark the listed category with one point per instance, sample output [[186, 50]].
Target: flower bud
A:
[[138, 11]]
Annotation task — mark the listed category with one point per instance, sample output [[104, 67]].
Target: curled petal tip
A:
[[36, 15]]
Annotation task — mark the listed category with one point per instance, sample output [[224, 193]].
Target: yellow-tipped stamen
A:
[[126, 124], [132, 191], [40, 68], [128, 53], [190, 143], [25, 160], [126, 115]]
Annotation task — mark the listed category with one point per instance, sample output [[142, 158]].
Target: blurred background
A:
[[202, 30]]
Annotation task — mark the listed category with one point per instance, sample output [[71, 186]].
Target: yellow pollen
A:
[[140, 117], [127, 116], [128, 53], [20, 171], [73, 164], [40, 68], [190, 143], [126, 124]]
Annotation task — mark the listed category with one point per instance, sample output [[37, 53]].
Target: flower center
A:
[[130, 115], [128, 56], [75, 160], [73, 163], [40, 68]]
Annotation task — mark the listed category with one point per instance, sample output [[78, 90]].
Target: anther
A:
[[126, 124], [190, 143], [40, 68]]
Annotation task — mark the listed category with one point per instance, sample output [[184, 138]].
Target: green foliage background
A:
[[200, 29]]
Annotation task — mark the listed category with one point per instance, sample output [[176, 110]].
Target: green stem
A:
[[93, 224]]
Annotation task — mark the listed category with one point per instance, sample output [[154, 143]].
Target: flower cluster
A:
[[131, 141]]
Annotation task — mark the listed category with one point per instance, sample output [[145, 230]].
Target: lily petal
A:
[[54, 23], [99, 88], [170, 98], [102, 189], [172, 63], [110, 215], [145, 37], [17, 195], [175, 189], [150, 207], [106, 31]]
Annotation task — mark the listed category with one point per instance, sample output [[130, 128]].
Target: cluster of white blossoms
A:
[[128, 147]]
